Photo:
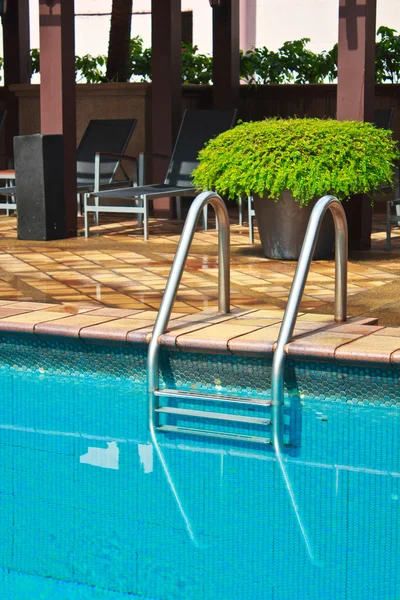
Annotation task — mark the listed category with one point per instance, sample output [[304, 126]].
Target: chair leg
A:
[[139, 202], [251, 219], [205, 217], [8, 183], [96, 214], [79, 205], [240, 206], [146, 219], [179, 208], [388, 225], [86, 221]]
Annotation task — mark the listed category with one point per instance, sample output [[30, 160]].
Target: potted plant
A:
[[288, 164]]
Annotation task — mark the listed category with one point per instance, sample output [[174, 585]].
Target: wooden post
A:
[[16, 62], [248, 24], [57, 91], [166, 91], [226, 73], [356, 95], [356, 60]]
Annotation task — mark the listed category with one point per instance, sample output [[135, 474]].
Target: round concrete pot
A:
[[282, 226]]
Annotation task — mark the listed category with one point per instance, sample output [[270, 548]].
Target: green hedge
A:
[[292, 63], [308, 157]]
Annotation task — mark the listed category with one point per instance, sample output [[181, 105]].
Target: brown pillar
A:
[[16, 62], [166, 87], [226, 82], [356, 60], [57, 91], [356, 95], [248, 24]]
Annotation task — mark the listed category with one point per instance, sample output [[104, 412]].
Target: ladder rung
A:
[[213, 415], [183, 395], [218, 434]]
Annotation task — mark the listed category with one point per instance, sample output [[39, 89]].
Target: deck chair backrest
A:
[[383, 117], [108, 135], [197, 128]]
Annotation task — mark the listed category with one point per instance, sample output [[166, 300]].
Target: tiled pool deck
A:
[[108, 288]]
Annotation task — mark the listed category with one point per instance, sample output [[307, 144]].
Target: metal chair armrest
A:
[[154, 155], [142, 156], [116, 155], [97, 159]]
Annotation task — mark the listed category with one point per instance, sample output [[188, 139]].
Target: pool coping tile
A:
[[197, 322], [242, 332], [110, 331], [375, 348], [69, 326], [27, 321], [321, 344]]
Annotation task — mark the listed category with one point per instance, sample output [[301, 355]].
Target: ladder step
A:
[[218, 434], [213, 415], [184, 395]]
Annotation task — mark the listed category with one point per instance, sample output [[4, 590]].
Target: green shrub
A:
[[293, 62], [308, 157]]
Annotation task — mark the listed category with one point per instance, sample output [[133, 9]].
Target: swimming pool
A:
[[89, 511]]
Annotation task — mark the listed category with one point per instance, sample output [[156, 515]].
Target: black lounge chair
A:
[[197, 127], [383, 119], [98, 157], [100, 152]]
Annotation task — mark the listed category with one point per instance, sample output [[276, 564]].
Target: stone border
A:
[[241, 333]]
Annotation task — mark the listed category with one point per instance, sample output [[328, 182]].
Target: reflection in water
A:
[[295, 506], [107, 458], [204, 520], [146, 457], [286, 478], [171, 484]]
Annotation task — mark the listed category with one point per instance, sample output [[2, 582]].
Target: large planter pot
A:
[[282, 226]]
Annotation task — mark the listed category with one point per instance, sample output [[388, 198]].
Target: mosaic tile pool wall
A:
[[209, 373], [89, 511]]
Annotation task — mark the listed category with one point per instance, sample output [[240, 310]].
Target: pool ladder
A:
[[270, 425]]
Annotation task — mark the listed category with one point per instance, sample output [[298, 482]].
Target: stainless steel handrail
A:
[[175, 277], [289, 321], [296, 293]]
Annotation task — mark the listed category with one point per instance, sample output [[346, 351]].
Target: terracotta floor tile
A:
[[114, 312], [9, 311], [315, 318], [263, 314], [257, 322], [118, 269], [32, 306], [358, 328]]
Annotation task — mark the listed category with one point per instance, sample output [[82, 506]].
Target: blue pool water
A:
[[88, 510]]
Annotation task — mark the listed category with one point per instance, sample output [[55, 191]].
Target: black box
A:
[[39, 169]]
